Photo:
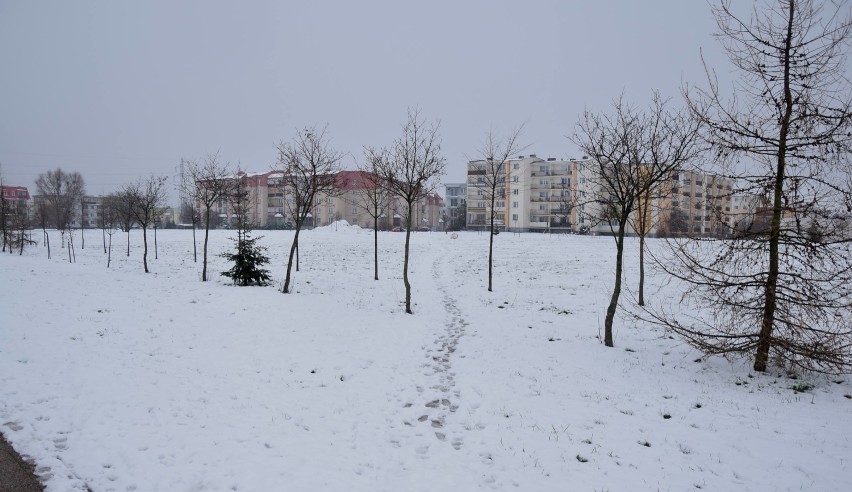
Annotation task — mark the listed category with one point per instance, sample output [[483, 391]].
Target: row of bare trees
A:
[[404, 172]]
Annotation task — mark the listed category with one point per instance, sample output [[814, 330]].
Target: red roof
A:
[[355, 180], [11, 192]]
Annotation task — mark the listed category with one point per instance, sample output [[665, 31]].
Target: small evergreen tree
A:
[[248, 260]]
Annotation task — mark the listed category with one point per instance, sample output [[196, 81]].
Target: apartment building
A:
[[695, 203], [455, 205], [16, 200], [17, 194], [534, 195]]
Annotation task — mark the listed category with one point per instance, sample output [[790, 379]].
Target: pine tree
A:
[[248, 260]]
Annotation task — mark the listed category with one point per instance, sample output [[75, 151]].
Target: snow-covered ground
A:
[[116, 380]]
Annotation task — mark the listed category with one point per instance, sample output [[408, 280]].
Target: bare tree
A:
[[4, 209], [495, 153], [42, 217], [631, 151], [644, 218], [61, 191], [779, 291], [409, 171], [189, 214], [123, 213], [111, 219], [310, 166], [144, 198], [374, 197], [206, 183]]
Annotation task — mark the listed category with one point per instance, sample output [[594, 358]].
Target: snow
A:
[[116, 380]]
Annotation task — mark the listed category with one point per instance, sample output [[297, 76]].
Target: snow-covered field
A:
[[117, 381]]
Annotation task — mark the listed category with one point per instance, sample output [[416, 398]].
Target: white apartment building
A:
[[533, 195], [455, 205]]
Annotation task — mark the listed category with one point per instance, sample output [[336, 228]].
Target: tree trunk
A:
[[194, 248], [491, 242], [109, 253], [103, 235], [642, 215], [641, 269], [616, 291], [405, 263], [764, 341], [128, 242], [204, 251], [47, 241], [376, 244], [155, 242], [293, 248], [145, 247]]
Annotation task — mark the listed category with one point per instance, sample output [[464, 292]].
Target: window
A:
[[515, 217], [543, 169], [515, 191], [514, 204], [514, 179], [566, 181], [517, 165]]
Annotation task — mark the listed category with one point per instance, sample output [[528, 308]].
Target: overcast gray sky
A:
[[118, 90]]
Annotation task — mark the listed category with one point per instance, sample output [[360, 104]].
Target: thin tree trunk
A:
[[128, 241], [145, 247], [293, 251], [47, 240], [405, 263], [82, 233], [109, 254], [642, 214], [641, 269], [764, 341], [616, 291], [194, 247], [155, 242], [297, 252], [491, 242], [204, 251], [71, 244], [103, 234], [376, 244]]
